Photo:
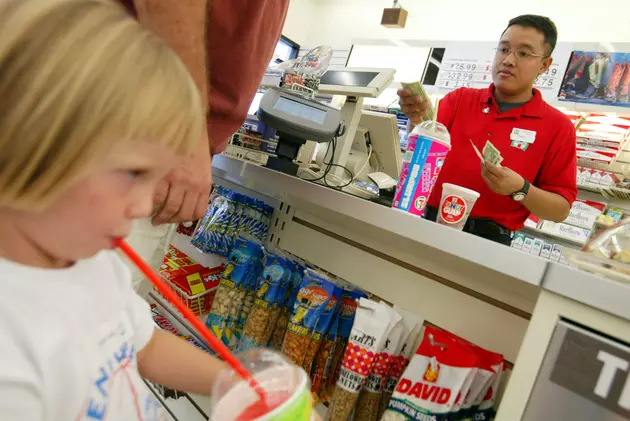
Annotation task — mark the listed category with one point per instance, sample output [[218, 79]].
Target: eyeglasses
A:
[[520, 54]]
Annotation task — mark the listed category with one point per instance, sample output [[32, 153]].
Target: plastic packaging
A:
[[350, 301], [231, 214], [428, 145], [455, 206], [607, 255], [372, 325], [257, 329], [234, 284], [368, 406], [436, 380], [281, 380], [297, 275], [412, 326], [304, 74], [312, 300]]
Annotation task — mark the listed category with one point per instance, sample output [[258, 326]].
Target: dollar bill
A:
[[416, 89], [492, 154], [476, 150]]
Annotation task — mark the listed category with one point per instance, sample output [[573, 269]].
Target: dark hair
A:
[[542, 24]]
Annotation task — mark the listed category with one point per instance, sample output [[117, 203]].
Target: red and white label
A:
[[453, 209]]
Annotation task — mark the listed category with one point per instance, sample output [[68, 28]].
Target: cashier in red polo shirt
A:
[[537, 142]]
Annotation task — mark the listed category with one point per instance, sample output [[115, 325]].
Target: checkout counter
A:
[[528, 308], [566, 331]]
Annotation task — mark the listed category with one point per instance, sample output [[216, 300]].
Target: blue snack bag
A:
[[323, 324], [256, 331], [235, 277], [312, 299]]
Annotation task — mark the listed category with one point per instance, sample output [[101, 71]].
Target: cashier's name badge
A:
[[522, 135]]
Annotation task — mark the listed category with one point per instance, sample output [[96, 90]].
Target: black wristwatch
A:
[[520, 195]]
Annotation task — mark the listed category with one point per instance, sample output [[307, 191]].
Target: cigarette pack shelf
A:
[[494, 296]]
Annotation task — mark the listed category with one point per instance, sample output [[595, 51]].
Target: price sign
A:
[[469, 64]]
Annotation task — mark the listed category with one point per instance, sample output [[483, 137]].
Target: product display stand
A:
[[484, 292]]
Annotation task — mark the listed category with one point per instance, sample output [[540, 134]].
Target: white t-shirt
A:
[[68, 343]]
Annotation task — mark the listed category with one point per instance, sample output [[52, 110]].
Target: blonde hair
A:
[[77, 76]]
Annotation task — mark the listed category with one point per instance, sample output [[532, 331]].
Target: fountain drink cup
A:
[[286, 386], [455, 206], [428, 145]]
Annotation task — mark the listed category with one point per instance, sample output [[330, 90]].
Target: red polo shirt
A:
[[548, 163]]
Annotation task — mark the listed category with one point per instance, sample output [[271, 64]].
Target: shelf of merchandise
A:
[[557, 238], [486, 291], [594, 188], [480, 301]]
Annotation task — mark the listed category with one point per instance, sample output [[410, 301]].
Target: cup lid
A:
[[461, 189]]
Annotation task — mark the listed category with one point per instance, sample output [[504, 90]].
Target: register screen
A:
[[348, 78], [300, 110]]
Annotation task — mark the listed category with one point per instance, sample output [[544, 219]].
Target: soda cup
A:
[[428, 145], [455, 206], [287, 388]]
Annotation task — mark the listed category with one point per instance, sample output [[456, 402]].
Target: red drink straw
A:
[[170, 295]]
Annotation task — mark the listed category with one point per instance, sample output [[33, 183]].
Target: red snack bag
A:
[[435, 381]]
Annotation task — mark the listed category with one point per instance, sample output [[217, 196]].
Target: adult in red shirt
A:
[[227, 46], [537, 142]]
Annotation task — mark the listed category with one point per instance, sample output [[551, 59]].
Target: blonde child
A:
[[94, 111]]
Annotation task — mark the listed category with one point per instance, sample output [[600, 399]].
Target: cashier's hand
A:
[[183, 195], [413, 106], [501, 180]]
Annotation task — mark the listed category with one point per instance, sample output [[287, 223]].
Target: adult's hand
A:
[[183, 195], [413, 106], [501, 180]]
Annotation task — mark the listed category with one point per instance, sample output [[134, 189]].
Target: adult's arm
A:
[[183, 194]]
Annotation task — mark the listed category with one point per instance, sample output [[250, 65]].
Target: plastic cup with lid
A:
[[287, 389], [455, 206]]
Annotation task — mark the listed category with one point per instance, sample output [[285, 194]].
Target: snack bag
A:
[[243, 308], [323, 324], [245, 254], [277, 336], [281, 298], [490, 369], [371, 327], [434, 382], [322, 361], [485, 411], [370, 398], [211, 235], [412, 326], [349, 303], [313, 296], [256, 327]]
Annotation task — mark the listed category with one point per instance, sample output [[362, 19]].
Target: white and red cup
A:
[[456, 204]]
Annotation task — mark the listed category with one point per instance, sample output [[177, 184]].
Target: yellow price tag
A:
[[196, 283]]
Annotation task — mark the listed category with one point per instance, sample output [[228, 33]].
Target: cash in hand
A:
[[416, 89], [492, 154]]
